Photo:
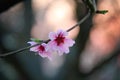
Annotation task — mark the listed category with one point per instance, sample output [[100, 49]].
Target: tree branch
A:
[[23, 49]]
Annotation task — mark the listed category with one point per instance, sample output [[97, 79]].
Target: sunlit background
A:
[[97, 39]]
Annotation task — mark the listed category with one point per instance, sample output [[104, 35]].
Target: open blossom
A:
[[42, 49], [59, 42]]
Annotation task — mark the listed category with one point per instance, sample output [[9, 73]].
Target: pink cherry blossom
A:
[[42, 49], [59, 41]]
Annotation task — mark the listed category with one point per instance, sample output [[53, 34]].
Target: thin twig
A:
[[81, 21], [23, 49], [17, 51]]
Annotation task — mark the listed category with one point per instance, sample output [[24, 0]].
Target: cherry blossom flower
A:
[[42, 49], [59, 42]]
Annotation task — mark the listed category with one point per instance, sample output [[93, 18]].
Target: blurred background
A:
[[93, 57]]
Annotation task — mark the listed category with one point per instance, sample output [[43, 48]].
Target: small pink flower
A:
[[59, 42], [42, 49]]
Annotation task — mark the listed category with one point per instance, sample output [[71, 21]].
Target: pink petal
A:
[[46, 55], [32, 43], [69, 42], [34, 49], [42, 54], [60, 51], [64, 49], [44, 45], [64, 33], [52, 45], [49, 56], [52, 35]]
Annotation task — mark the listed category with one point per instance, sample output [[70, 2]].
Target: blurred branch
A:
[[113, 55], [90, 5], [94, 4], [6, 4]]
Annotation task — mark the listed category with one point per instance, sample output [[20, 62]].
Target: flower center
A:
[[41, 48], [59, 39]]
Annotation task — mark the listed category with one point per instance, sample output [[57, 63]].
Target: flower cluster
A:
[[58, 42]]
